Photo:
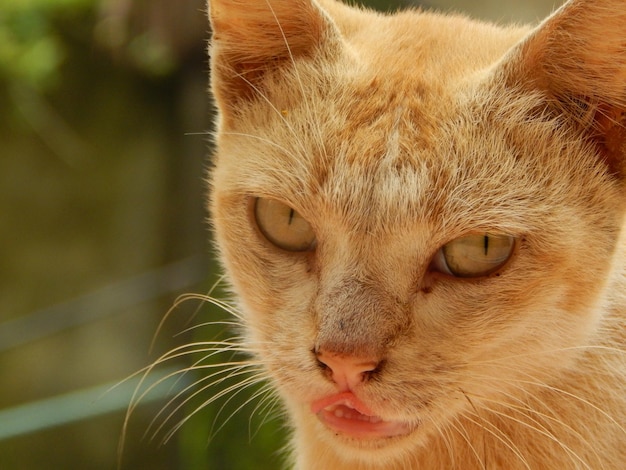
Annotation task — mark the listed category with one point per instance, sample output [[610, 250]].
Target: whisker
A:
[[213, 432], [526, 411], [264, 408], [499, 435], [447, 440], [213, 348], [193, 134], [231, 372], [226, 323], [237, 388], [208, 296], [460, 429], [233, 347], [176, 353], [534, 381], [184, 370], [222, 304], [186, 297], [580, 400], [573, 455]]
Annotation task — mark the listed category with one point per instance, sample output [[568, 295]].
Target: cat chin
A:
[[370, 451], [387, 435]]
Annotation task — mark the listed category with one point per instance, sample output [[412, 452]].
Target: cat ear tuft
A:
[[252, 37], [577, 58]]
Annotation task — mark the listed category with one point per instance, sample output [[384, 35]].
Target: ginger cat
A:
[[421, 218]]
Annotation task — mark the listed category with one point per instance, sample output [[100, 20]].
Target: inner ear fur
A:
[[252, 37], [577, 59]]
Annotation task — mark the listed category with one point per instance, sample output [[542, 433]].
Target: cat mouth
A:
[[346, 414]]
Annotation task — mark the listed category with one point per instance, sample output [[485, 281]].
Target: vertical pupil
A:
[[291, 213], [486, 244]]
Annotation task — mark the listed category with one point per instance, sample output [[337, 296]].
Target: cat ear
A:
[[254, 37], [577, 58]]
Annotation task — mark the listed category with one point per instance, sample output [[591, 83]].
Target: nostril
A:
[[321, 364], [325, 370], [345, 370], [367, 374]]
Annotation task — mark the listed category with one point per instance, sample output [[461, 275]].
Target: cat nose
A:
[[345, 370]]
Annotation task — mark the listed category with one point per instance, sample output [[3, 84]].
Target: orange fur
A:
[[393, 135]]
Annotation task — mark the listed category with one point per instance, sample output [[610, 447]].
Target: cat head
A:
[[436, 199]]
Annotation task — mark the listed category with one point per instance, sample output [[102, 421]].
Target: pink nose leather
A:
[[347, 371]]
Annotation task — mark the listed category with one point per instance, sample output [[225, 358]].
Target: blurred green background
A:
[[103, 148]]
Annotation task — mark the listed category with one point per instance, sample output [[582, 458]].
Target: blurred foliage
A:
[[31, 48], [36, 35]]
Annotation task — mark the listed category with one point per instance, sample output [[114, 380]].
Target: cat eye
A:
[[474, 255], [282, 225]]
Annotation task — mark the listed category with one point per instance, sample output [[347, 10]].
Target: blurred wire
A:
[[83, 404], [103, 302]]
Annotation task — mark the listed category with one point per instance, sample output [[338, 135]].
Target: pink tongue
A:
[[345, 398]]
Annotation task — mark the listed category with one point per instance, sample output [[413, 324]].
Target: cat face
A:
[[413, 232]]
